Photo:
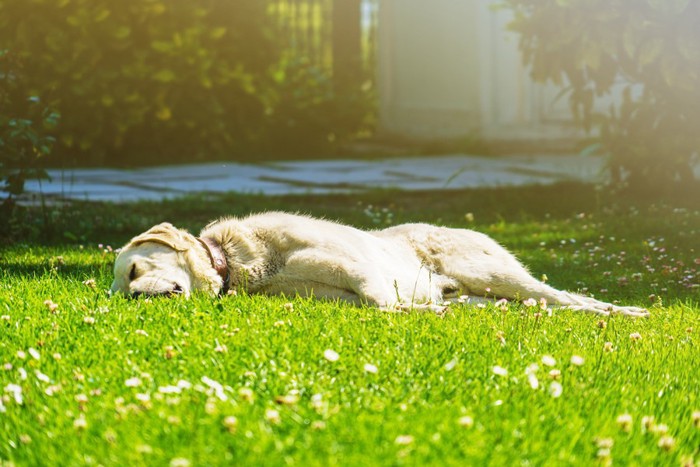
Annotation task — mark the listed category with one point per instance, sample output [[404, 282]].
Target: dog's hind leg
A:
[[516, 283], [507, 278], [484, 268]]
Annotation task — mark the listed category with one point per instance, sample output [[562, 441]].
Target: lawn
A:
[[87, 379]]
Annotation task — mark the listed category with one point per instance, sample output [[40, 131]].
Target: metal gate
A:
[[336, 36]]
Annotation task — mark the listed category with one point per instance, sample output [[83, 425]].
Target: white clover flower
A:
[[533, 381], [577, 360], [51, 306], [15, 391], [182, 384], [667, 443], [604, 443], [548, 360], [449, 366], [246, 394], [317, 402], [625, 422], [555, 389], [210, 406], [466, 421], [230, 423], [404, 440], [369, 368], [133, 382], [531, 371], [287, 399], [331, 355], [499, 370], [80, 423], [318, 425], [660, 429], [273, 416], [216, 386], [180, 462], [144, 449], [41, 376]]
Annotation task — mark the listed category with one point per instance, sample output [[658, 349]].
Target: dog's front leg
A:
[[373, 288], [341, 278], [439, 310]]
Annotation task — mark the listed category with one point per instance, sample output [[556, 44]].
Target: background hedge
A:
[[147, 81]]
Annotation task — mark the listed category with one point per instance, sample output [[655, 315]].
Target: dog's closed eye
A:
[[132, 273]]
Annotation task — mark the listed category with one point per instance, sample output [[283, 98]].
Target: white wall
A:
[[450, 69], [428, 79]]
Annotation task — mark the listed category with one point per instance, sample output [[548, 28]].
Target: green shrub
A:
[[24, 141], [143, 81], [310, 116], [653, 47]]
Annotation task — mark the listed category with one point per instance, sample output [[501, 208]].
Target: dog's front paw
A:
[[630, 311], [439, 310]]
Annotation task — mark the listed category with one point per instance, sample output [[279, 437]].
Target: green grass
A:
[[78, 409]]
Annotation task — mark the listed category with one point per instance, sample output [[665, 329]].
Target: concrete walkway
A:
[[276, 178]]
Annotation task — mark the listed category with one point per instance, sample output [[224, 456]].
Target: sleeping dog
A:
[[406, 267]]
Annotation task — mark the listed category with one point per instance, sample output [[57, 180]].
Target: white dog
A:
[[410, 266]]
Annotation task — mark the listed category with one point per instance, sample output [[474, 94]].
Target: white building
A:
[[450, 69]]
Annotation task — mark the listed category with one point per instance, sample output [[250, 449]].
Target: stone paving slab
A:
[[327, 176]]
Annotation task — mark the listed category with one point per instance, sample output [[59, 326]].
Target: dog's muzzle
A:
[[174, 292]]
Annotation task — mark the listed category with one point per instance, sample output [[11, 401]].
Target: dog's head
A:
[[164, 261]]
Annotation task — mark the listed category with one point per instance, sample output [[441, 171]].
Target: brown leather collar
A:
[[218, 260]]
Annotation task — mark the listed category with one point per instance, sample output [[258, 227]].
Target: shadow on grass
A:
[[43, 265], [77, 272]]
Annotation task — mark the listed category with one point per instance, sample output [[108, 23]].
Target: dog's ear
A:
[[165, 234]]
